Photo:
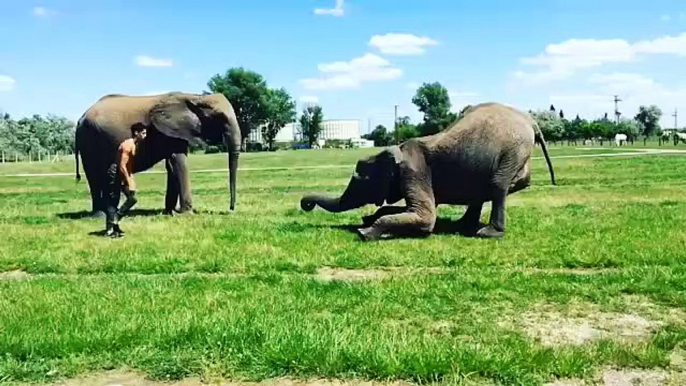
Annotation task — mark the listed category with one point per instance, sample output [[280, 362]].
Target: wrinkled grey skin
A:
[[483, 157], [172, 120]]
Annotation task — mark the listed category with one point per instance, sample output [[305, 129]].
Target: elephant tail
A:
[[539, 138], [76, 154], [76, 158]]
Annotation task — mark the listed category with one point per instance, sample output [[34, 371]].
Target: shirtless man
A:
[[121, 172]]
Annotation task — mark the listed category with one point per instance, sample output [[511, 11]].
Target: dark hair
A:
[[137, 128]]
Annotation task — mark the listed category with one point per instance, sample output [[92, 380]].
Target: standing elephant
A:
[[483, 157], [171, 120]]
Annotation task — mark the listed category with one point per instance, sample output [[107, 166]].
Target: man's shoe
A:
[[118, 231]]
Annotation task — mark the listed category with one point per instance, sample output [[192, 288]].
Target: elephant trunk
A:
[[233, 167], [339, 204], [233, 140]]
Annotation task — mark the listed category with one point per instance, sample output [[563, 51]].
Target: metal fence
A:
[[44, 157]]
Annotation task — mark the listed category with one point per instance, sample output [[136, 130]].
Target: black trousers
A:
[[115, 188]]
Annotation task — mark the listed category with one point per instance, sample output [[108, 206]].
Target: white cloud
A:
[[563, 60], [7, 83], [668, 45], [42, 12], [460, 99], [351, 75], [309, 99], [337, 11], [665, 18], [401, 44], [413, 85], [147, 61]]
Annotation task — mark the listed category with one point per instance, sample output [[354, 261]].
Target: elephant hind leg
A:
[[522, 179], [96, 182], [496, 223], [470, 222]]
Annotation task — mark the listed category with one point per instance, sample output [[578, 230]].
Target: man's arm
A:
[[124, 156]]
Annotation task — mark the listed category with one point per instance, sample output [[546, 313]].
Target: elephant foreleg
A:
[[178, 184], [405, 223], [382, 211], [171, 197]]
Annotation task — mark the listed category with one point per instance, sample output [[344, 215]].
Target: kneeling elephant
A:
[[483, 157]]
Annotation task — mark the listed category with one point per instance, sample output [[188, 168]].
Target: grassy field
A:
[[591, 275]]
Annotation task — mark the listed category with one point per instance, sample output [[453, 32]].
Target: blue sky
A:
[[357, 58]]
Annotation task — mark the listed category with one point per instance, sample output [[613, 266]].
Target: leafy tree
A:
[[432, 99], [380, 135], [407, 130], [631, 127], [573, 129], [649, 118], [36, 134], [280, 111], [550, 124], [248, 93], [311, 123]]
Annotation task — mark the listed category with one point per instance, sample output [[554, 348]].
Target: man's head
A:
[[138, 133]]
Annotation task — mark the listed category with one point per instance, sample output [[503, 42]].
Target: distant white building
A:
[[286, 134], [342, 129], [332, 129]]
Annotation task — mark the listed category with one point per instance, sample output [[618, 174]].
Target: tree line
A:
[[433, 100], [260, 107], [35, 135]]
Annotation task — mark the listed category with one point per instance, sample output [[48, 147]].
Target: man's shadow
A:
[[84, 214]]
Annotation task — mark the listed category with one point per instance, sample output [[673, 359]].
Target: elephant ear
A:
[[175, 117], [389, 172]]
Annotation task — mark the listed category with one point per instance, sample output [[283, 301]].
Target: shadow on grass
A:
[[85, 214], [444, 226]]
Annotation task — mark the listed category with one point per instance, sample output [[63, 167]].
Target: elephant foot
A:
[[468, 228], [489, 232], [368, 234]]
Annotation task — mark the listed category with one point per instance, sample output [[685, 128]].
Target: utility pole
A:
[[617, 113], [675, 115], [395, 126]]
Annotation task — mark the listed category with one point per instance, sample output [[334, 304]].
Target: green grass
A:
[[235, 294]]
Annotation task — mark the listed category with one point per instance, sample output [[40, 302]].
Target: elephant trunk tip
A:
[[307, 204]]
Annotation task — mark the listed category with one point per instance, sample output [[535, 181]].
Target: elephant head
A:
[[376, 179], [210, 117]]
